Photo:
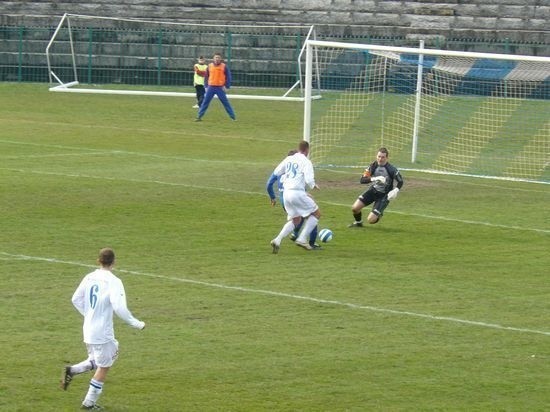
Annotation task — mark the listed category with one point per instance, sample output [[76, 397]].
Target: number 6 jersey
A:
[[100, 294]]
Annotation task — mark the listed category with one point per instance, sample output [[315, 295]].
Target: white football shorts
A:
[[104, 354], [298, 203]]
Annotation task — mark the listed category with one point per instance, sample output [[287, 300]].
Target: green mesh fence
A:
[[165, 57]]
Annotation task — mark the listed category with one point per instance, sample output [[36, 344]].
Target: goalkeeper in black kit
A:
[[382, 175]]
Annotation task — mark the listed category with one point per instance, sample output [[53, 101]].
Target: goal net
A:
[[477, 114], [91, 54]]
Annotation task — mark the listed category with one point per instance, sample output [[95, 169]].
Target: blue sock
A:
[[313, 236], [298, 227]]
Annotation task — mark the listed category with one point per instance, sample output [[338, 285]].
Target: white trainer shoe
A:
[[305, 245]]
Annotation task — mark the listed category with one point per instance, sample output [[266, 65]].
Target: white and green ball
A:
[[325, 235]]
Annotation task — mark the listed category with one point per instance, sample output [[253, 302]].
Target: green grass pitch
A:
[[444, 305]]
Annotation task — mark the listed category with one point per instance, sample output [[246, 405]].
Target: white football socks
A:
[[82, 367], [93, 393], [285, 231], [309, 224]]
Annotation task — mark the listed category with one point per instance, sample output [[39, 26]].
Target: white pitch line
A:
[[157, 182], [126, 153], [233, 162], [294, 296], [451, 219], [151, 132], [45, 156], [221, 189], [472, 222]]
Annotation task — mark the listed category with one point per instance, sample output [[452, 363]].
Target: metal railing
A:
[[23, 57]]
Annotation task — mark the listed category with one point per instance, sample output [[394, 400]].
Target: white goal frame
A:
[[68, 86], [313, 47]]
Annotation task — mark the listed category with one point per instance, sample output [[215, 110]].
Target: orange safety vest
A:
[[216, 74]]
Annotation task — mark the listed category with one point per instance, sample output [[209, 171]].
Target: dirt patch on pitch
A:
[[410, 184]]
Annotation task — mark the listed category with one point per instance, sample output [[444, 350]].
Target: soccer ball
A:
[[325, 235]]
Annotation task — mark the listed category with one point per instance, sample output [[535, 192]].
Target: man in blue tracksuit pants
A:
[[218, 80]]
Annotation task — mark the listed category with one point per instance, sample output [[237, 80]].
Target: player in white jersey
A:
[[99, 294], [296, 174]]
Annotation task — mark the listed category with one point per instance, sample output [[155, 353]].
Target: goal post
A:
[[439, 111], [108, 55]]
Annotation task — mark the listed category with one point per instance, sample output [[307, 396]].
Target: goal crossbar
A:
[[425, 52]]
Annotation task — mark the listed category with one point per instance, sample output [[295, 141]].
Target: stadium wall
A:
[[519, 21]]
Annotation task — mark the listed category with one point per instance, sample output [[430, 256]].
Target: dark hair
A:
[[384, 150], [303, 146], [292, 152], [106, 256]]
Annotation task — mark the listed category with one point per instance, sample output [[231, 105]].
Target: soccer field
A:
[[443, 305]]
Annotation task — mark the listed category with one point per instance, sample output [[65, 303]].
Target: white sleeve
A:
[[118, 300], [309, 176], [78, 297]]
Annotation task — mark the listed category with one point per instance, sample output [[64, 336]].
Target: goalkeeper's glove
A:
[[380, 179], [393, 193]]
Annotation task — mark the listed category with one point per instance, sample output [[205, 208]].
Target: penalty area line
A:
[[224, 189], [293, 296]]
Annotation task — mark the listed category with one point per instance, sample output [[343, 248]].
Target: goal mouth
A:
[[437, 111], [107, 55]]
